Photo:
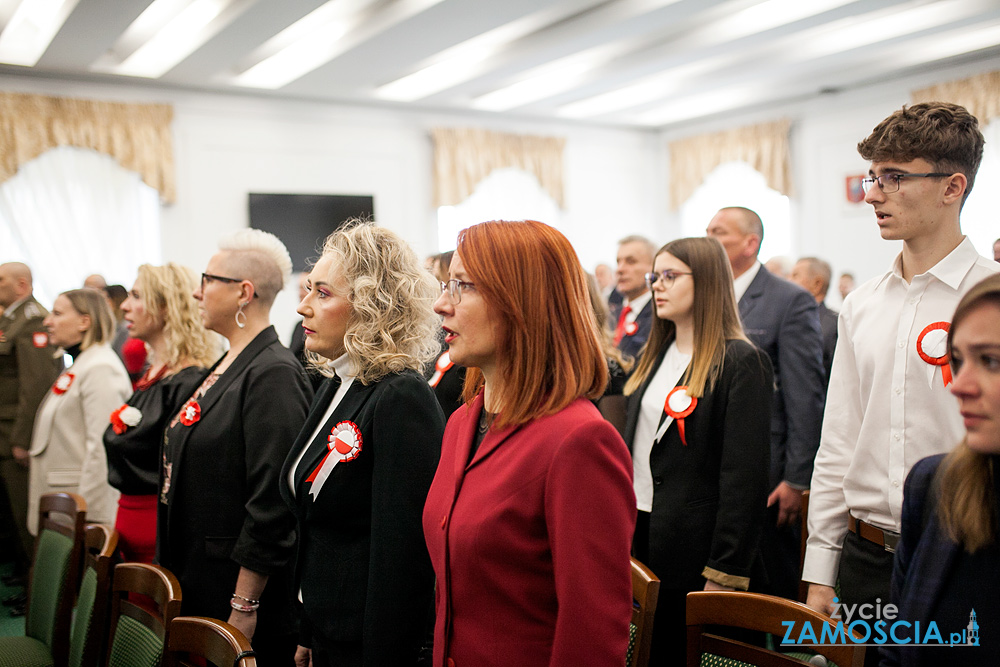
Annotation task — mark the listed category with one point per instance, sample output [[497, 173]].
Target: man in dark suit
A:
[[27, 369], [781, 319], [814, 275], [631, 316]]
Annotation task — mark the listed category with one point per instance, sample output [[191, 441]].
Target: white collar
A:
[[742, 282]]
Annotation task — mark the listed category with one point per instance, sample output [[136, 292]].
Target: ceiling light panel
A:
[[321, 36], [31, 28], [166, 33]]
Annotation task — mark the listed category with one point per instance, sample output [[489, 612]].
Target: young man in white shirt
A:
[[888, 404]]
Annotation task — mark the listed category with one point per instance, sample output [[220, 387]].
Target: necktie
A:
[[620, 328]]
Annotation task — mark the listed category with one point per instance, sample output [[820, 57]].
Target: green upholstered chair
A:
[[52, 585], [144, 600], [217, 643], [760, 613], [645, 592], [90, 619]]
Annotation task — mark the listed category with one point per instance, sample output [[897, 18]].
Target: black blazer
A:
[[781, 319], [362, 563], [224, 508], [632, 344], [709, 496]]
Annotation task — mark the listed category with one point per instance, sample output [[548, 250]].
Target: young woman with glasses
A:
[[530, 515], [698, 424]]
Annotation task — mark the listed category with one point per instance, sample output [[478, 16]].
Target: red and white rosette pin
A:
[[190, 413], [124, 417], [631, 328], [40, 339], [63, 383], [932, 346], [343, 444], [444, 363], [678, 406]]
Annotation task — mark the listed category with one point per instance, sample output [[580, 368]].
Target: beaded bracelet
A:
[[248, 600]]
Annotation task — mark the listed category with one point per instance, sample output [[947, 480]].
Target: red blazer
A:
[[530, 542]]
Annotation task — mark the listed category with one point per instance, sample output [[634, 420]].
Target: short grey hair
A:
[[821, 268], [636, 238], [261, 258]]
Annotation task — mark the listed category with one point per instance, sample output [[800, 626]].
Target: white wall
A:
[[228, 146]]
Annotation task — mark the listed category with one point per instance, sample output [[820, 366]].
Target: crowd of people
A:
[[456, 462]]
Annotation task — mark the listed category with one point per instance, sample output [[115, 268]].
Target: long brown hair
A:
[[549, 353], [967, 502], [716, 319]]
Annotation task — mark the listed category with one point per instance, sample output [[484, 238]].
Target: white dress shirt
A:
[[651, 410], [886, 408], [742, 282]]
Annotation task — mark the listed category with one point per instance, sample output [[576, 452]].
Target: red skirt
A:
[[136, 526]]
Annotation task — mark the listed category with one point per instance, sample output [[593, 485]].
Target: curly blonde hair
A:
[[166, 292], [392, 322]]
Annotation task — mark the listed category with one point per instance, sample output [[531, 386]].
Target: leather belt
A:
[[886, 539]]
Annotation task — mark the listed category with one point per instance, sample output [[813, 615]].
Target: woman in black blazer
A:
[[358, 474], [699, 430], [222, 527]]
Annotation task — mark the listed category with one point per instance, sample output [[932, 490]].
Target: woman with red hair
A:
[[530, 516]]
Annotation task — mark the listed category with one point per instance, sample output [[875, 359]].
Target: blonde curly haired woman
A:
[[359, 472], [159, 311]]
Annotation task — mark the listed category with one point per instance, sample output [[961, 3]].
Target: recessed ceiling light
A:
[[31, 29]]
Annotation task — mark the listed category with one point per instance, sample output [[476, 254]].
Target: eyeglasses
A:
[[668, 277], [889, 183], [454, 289], [208, 277]]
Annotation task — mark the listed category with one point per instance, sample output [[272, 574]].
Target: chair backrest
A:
[[207, 639], [804, 519], [91, 617], [762, 613], [55, 571], [645, 592], [144, 600]]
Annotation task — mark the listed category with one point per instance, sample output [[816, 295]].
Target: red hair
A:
[[549, 351]]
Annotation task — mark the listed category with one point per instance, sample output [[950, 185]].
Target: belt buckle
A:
[[891, 541]]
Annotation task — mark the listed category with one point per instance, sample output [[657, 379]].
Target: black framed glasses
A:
[[454, 289], [667, 277], [889, 183], [208, 277]]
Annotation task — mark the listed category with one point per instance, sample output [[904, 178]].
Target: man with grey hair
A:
[[814, 276], [781, 319], [632, 317], [27, 369]]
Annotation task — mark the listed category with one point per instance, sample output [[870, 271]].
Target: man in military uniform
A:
[[28, 367]]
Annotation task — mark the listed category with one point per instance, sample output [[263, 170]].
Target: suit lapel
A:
[[316, 412], [635, 401], [355, 398], [753, 293]]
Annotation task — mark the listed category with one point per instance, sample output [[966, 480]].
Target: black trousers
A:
[[337, 654], [781, 549], [865, 578]]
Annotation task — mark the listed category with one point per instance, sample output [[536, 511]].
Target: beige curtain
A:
[[136, 135], [764, 147], [979, 94], [465, 156]]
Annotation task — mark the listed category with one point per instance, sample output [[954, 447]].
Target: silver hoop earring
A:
[[239, 314]]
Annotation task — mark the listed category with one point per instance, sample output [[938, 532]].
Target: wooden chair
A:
[[52, 584], [761, 613], [804, 518], [144, 600], [217, 643], [645, 592], [90, 621]]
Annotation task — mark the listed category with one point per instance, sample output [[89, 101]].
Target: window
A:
[[506, 194], [979, 216], [738, 184], [72, 212]]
